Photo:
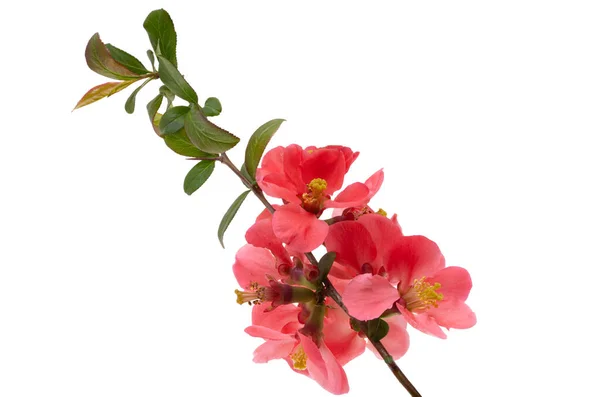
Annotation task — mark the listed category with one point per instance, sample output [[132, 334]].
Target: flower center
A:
[[299, 358], [312, 201], [422, 295]]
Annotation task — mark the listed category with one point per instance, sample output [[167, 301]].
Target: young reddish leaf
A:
[[171, 77], [161, 32], [205, 135], [172, 120], [100, 61], [102, 91], [258, 143], [180, 144], [229, 215], [127, 60], [212, 107], [152, 108], [198, 175]]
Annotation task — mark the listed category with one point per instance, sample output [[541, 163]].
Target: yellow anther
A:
[[423, 295], [381, 212], [317, 186], [299, 358], [255, 296]]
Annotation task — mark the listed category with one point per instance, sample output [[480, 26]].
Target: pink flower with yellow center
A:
[[306, 179], [408, 273]]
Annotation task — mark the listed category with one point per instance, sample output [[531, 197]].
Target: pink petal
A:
[[341, 339], [397, 340], [292, 161], [349, 156], [271, 176], [455, 282], [261, 235], [252, 264], [323, 367], [367, 296], [374, 183], [354, 195], [411, 258], [266, 333], [423, 322], [300, 230], [273, 349], [453, 314], [278, 319], [384, 232], [352, 244], [327, 164]]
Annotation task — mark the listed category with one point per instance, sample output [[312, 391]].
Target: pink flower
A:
[[306, 179], [284, 339], [403, 272]]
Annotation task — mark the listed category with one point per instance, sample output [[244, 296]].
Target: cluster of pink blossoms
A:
[[379, 272]]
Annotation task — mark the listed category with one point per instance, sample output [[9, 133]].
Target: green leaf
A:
[[150, 55], [244, 172], [212, 107], [229, 215], [171, 77], [100, 61], [325, 264], [180, 144], [152, 108], [167, 93], [258, 143], [173, 120], [130, 103], [161, 32], [102, 91], [205, 135], [377, 329], [127, 60], [198, 175]]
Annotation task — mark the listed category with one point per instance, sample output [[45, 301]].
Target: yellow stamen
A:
[[255, 296], [423, 295], [381, 212], [299, 358], [317, 186]]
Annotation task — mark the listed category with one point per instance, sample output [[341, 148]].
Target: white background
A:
[[484, 116]]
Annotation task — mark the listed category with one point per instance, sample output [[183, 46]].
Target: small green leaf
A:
[[180, 144], [205, 135], [325, 264], [130, 103], [152, 108], [161, 32], [127, 60], [102, 91], [172, 120], [377, 329], [244, 172], [150, 55], [100, 61], [212, 107], [171, 77], [167, 93], [229, 215], [258, 143], [198, 175]]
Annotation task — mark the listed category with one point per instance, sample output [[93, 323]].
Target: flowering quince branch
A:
[[317, 315]]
